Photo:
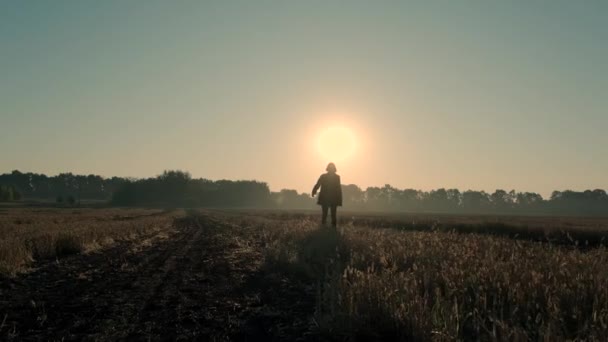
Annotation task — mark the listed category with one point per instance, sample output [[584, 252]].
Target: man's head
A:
[[331, 167]]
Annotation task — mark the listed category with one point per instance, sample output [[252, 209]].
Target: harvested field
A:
[[27, 235], [228, 275]]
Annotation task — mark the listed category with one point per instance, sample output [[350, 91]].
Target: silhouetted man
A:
[[330, 196]]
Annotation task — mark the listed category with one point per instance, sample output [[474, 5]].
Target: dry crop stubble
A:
[[384, 283], [28, 235], [375, 278]]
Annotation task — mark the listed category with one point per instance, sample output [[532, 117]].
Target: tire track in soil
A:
[[200, 284]]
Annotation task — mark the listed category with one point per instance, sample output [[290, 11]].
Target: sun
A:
[[337, 143]]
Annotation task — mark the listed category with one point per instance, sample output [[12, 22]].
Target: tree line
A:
[[388, 198], [65, 186], [179, 189]]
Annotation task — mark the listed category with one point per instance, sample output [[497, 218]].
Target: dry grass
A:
[[461, 281], [384, 284], [34, 234]]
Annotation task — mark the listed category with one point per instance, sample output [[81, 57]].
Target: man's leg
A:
[[324, 216], [334, 218]]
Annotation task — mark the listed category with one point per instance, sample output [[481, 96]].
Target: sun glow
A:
[[337, 143]]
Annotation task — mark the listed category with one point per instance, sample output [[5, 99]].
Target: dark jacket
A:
[[331, 189]]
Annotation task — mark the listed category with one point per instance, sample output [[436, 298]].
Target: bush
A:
[[9, 193], [71, 200], [68, 244]]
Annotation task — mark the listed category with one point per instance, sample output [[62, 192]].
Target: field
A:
[[112, 274]]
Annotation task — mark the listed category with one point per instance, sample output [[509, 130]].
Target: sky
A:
[[479, 95]]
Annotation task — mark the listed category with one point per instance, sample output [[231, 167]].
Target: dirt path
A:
[[202, 283]]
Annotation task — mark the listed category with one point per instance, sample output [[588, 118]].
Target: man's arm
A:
[[316, 187], [339, 190]]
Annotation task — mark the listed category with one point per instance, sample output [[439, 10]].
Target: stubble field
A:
[[112, 274]]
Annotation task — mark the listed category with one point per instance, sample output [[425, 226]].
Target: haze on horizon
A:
[[487, 95]]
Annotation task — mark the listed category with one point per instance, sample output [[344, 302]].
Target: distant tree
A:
[[377, 198], [71, 200], [9, 194], [455, 199], [352, 196], [59, 199], [475, 201], [528, 198], [503, 201], [437, 200], [290, 199], [409, 200]]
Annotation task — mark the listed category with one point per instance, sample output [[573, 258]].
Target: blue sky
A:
[[474, 95]]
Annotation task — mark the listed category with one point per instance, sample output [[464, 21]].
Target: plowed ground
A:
[[204, 281]]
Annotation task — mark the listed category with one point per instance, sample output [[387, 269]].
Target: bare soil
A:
[[205, 281]]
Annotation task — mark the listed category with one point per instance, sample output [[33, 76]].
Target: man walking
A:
[[330, 196]]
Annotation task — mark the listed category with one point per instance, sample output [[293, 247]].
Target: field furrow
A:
[[200, 282]]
